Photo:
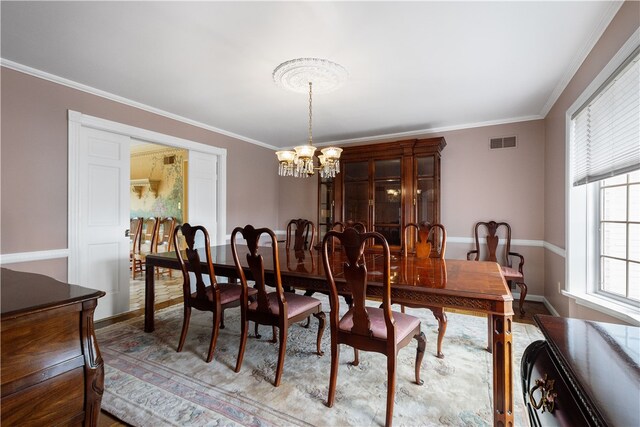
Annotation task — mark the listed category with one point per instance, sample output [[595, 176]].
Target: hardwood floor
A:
[[107, 420]]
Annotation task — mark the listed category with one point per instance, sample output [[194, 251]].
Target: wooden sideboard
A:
[[51, 370], [584, 373]]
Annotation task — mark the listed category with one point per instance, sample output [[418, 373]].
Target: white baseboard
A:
[[537, 298]]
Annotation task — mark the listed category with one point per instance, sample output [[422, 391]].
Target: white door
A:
[[103, 178], [203, 182]]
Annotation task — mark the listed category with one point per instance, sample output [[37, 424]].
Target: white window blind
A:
[[606, 129]]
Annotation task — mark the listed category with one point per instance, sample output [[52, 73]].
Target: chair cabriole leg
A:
[[321, 316], [333, 377], [422, 345], [214, 335], [185, 327], [281, 353], [391, 388]]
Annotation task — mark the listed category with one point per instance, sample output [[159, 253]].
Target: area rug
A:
[[147, 383]]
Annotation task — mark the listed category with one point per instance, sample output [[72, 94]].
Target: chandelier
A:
[[297, 75]]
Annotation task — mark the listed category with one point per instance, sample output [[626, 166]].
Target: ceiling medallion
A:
[[295, 75]]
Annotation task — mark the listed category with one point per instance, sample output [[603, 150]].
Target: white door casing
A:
[[211, 201]]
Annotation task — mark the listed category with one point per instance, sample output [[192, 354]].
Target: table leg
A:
[[149, 298], [490, 332], [502, 371]]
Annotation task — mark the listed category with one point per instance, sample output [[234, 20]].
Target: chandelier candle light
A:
[[323, 76]]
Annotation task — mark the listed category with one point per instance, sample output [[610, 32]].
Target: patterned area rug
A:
[[147, 383]]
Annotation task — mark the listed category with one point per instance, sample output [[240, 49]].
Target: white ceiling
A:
[[413, 66]]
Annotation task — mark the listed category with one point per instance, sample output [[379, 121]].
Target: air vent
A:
[[169, 160], [502, 142]]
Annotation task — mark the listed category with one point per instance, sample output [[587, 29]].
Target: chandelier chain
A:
[[310, 114]]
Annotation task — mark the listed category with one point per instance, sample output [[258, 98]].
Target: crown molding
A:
[[376, 138], [107, 95], [581, 55], [429, 131]]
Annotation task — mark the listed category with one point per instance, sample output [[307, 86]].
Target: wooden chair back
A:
[[298, 231], [149, 235], [199, 298], [135, 231], [255, 262], [340, 226], [164, 241], [490, 232], [431, 241]]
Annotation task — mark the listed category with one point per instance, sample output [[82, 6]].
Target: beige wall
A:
[[34, 163], [620, 29], [495, 184]]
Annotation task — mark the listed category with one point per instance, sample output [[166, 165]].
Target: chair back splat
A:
[[365, 327], [278, 308], [431, 241]]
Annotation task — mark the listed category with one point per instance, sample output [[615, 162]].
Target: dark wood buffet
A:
[[51, 370], [584, 373]]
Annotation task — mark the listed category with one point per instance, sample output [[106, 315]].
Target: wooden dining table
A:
[[458, 284]]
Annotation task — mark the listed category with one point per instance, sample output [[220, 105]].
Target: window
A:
[[603, 221], [619, 225]]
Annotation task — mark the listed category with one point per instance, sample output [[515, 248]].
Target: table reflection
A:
[[302, 261], [425, 272]]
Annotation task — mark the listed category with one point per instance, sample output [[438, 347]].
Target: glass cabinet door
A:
[[325, 207], [356, 192], [387, 202], [425, 190]]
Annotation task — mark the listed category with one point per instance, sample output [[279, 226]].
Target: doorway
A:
[[99, 202], [159, 189]]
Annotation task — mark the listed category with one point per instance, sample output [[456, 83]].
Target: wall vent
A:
[[169, 160], [502, 142]]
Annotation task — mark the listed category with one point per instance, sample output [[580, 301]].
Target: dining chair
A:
[[164, 241], [492, 250], [212, 296], [365, 327], [277, 308], [430, 242], [147, 243], [135, 231], [298, 231]]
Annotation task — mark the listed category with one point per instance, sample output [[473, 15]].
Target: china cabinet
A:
[[384, 186]]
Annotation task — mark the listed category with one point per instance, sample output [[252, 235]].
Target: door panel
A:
[[203, 182], [104, 199]]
